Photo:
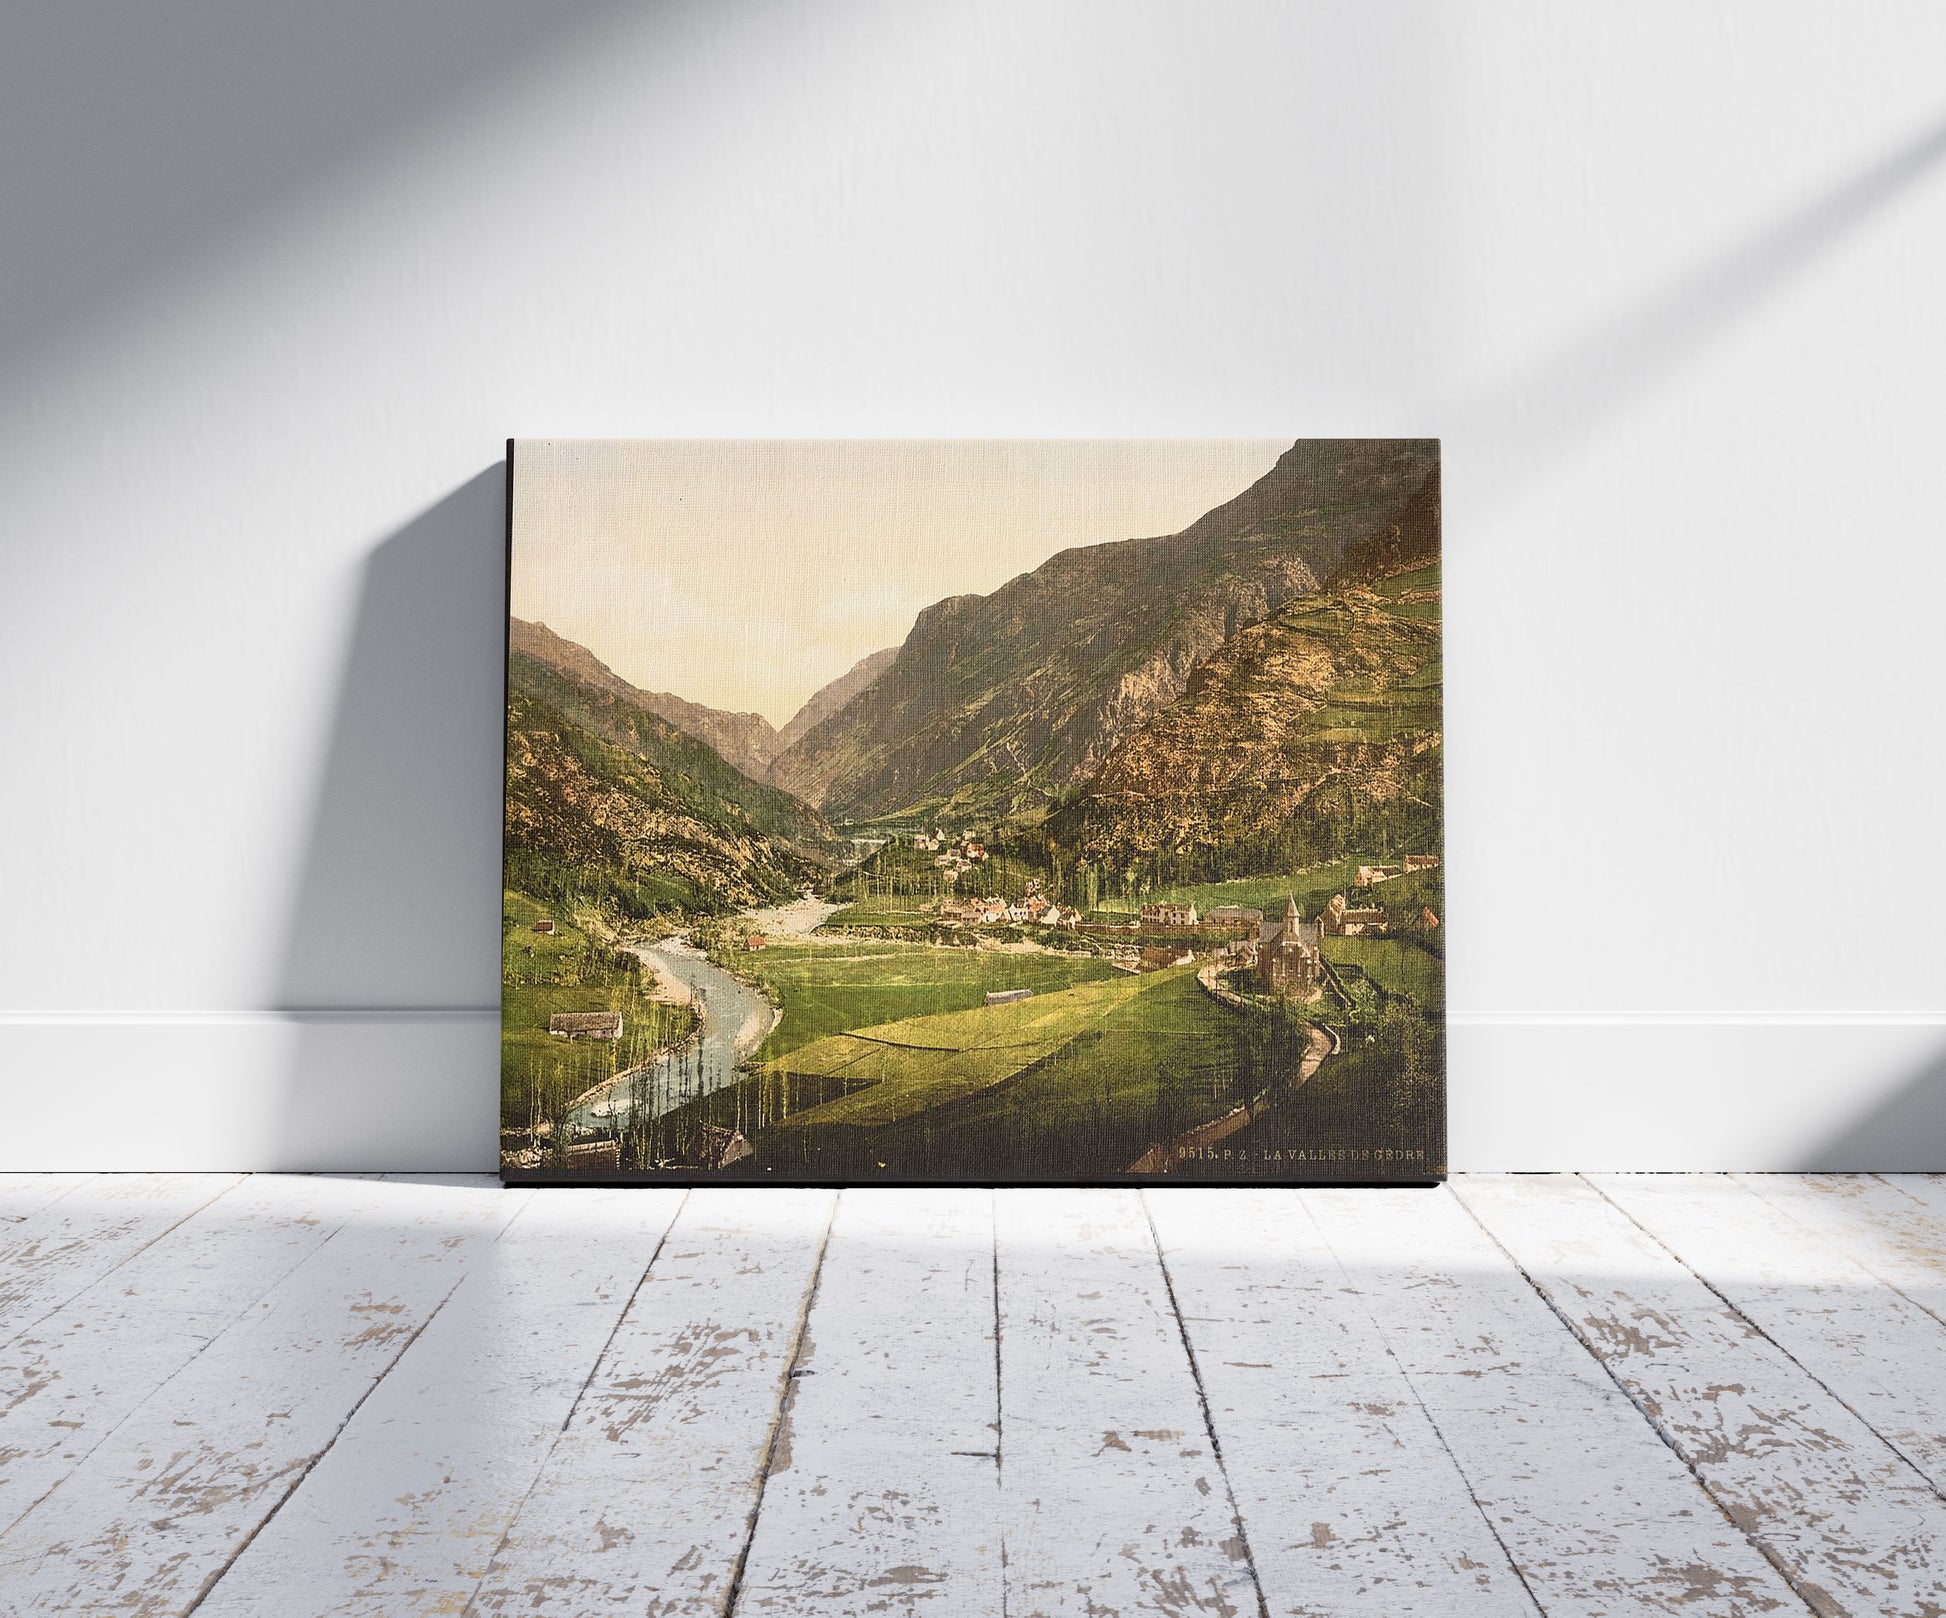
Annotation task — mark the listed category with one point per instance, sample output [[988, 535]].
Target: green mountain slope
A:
[[1311, 735], [611, 805], [746, 740], [1003, 703]]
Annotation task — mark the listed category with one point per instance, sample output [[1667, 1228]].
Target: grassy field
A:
[[1076, 1081], [1397, 965], [1417, 582], [833, 988], [1401, 897], [881, 913], [1358, 711], [901, 1068], [577, 967], [1265, 893]]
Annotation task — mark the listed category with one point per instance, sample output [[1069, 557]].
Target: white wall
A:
[[280, 280]]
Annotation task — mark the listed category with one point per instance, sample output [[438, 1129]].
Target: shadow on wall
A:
[[176, 125], [1906, 1132], [391, 968]]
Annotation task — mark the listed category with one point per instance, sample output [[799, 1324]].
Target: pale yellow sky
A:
[[745, 575]]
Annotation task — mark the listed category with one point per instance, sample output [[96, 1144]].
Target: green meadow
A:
[[1266, 893], [897, 1069], [1400, 966], [832, 988], [1077, 1080], [573, 968]]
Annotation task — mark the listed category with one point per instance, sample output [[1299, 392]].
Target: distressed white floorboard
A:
[[1894, 1224], [1929, 1189], [883, 1495], [155, 1513], [1878, 1352], [404, 1512], [22, 1194], [1113, 1499], [1857, 1529], [61, 1248], [1597, 1513], [321, 1396], [1350, 1501], [645, 1504], [72, 1378]]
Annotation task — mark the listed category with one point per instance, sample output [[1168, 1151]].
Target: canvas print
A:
[[974, 812]]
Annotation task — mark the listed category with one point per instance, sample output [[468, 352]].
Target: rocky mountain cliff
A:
[[746, 740], [1411, 539], [1313, 734], [1007, 702], [827, 701]]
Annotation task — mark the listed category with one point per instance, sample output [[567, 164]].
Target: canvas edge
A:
[[686, 1180]]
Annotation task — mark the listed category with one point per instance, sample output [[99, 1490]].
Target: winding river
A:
[[735, 1019]]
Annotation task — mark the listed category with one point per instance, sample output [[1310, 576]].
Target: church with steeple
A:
[[1288, 961]]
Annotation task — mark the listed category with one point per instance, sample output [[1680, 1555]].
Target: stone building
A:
[[1341, 920], [585, 1025], [1288, 961], [1238, 918], [1169, 915]]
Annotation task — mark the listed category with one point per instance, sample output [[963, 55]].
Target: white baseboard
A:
[[250, 1090], [403, 1090], [1689, 1093]]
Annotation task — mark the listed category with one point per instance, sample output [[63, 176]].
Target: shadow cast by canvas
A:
[[390, 974], [139, 142]]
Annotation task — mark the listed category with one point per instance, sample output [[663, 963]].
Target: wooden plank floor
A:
[[1519, 1395]]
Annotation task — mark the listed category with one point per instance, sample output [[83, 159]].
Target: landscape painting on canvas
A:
[[974, 812]]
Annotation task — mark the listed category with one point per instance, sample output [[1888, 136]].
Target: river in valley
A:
[[735, 1020]]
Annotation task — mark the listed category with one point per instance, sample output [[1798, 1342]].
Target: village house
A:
[[585, 1025], [1341, 920], [962, 909], [1036, 906], [1427, 920], [1006, 997], [1157, 956], [543, 926], [1289, 961], [1237, 918], [1369, 876], [1169, 915], [993, 911], [1058, 916], [975, 850], [1421, 862], [754, 941]]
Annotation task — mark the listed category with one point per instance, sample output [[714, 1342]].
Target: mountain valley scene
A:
[[974, 813]]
